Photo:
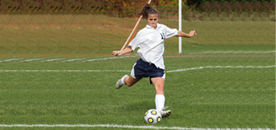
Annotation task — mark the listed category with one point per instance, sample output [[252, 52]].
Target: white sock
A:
[[122, 79], [159, 101]]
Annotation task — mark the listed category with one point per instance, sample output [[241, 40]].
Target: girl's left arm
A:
[[182, 34]]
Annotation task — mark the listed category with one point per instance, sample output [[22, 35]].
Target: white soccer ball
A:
[[152, 116]]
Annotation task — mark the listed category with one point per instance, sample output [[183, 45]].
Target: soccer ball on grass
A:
[[152, 116]]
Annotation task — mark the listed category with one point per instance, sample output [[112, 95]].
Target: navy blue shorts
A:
[[144, 69]]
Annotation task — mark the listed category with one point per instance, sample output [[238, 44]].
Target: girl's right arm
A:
[[125, 51]]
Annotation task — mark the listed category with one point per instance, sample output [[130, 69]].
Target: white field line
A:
[[124, 126], [73, 60], [69, 60], [64, 71], [214, 52], [220, 67], [170, 71], [10, 60], [52, 60], [28, 60], [109, 58]]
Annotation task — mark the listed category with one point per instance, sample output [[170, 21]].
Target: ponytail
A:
[[148, 9]]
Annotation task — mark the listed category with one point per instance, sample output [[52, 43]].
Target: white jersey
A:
[[151, 43]]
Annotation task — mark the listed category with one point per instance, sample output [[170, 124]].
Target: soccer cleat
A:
[[165, 113], [119, 84]]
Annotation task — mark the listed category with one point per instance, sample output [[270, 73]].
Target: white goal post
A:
[[180, 24]]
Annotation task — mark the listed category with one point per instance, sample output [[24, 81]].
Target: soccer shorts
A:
[[142, 69]]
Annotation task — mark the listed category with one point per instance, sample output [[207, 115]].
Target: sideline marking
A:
[[83, 59], [52, 60], [31, 60], [221, 67], [64, 70], [73, 60], [123, 126], [109, 58], [233, 52], [10, 60]]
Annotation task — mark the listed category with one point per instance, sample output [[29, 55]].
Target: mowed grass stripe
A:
[[168, 71], [218, 98], [121, 126], [86, 59], [97, 38]]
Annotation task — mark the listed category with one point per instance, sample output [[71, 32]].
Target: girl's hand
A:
[[182, 34], [122, 52], [192, 33], [116, 53]]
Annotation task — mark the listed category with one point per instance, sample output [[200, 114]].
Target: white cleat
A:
[[119, 84], [165, 113]]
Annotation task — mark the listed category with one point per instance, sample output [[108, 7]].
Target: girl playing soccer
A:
[[150, 40]]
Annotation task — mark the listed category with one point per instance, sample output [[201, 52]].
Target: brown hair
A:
[[148, 9]]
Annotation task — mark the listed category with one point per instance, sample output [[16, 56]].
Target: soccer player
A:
[[150, 40]]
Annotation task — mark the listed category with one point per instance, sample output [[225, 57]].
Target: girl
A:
[[150, 40]]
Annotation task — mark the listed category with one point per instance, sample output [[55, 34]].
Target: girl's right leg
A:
[[126, 80], [129, 81]]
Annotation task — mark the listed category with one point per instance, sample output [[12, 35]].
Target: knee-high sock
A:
[[159, 101]]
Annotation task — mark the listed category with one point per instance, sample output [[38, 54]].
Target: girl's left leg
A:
[[159, 84]]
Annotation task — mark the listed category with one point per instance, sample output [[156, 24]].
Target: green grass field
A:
[[225, 77]]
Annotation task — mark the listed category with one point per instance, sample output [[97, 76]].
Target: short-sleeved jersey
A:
[[151, 43]]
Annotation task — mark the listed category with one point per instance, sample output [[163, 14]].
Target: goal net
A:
[[78, 28]]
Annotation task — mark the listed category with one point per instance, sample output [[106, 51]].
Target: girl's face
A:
[[152, 20]]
